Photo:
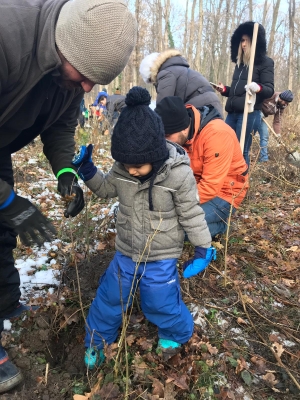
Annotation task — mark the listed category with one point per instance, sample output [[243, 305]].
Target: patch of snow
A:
[[198, 315], [276, 304], [31, 161], [288, 343], [7, 325], [42, 278], [236, 330]]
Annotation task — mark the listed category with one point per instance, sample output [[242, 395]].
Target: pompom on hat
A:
[[100, 60], [287, 96]]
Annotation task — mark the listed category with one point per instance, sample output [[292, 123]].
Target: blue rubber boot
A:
[[167, 348], [10, 376], [93, 358]]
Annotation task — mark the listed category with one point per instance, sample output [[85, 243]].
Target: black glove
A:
[[25, 219], [67, 185]]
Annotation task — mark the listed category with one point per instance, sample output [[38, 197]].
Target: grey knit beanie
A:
[[98, 51]]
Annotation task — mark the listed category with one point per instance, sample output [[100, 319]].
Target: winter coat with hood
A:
[[176, 208], [31, 103], [171, 75], [263, 71], [216, 157]]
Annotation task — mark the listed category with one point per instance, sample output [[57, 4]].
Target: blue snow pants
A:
[[160, 296]]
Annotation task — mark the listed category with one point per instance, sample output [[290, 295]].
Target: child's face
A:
[[138, 170]]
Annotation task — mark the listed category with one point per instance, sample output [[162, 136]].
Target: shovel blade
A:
[[294, 159]]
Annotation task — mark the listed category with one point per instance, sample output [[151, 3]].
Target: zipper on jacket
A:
[[238, 80]]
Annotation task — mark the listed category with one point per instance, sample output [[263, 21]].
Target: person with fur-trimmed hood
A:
[[171, 75], [261, 86]]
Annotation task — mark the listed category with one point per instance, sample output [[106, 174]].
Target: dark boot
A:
[[10, 376]]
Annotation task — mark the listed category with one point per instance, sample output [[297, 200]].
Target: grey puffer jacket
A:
[[171, 75], [176, 205]]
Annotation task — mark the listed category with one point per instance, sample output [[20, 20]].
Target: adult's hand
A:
[[252, 88], [220, 88], [26, 220], [70, 190]]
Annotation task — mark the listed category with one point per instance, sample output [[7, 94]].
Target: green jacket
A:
[[31, 103], [176, 209]]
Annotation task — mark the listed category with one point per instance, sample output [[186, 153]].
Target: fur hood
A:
[[162, 58], [151, 64], [247, 29]]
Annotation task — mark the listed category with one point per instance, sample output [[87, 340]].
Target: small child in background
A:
[[158, 199]]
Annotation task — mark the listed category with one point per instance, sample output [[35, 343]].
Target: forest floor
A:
[[246, 343]]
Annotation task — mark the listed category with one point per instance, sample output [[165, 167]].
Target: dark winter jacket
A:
[[263, 71], [31, 103], [176, 208], [172, 76], [115, 102]]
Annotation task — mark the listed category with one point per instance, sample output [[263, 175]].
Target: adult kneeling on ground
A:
[[215, 155]]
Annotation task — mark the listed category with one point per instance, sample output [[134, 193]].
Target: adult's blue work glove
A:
[[202, 258], [83, 160]]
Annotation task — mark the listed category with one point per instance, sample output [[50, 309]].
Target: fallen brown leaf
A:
[[179, 381], [130, 339], [270, 378], [110, 351], [158, 388], [259, 364], [278, 349]]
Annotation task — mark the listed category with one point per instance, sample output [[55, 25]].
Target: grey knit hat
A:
[[98, 51]]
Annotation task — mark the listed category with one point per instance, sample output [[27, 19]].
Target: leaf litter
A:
[[246, 341]]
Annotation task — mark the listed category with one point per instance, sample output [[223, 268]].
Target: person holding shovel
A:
[[275, 105], [260, 88]]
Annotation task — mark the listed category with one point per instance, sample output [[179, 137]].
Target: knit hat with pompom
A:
[[139, 136]]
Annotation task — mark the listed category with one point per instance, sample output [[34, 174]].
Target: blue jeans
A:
[[161, 301], [235, 121], [263, 131], [216, 214]]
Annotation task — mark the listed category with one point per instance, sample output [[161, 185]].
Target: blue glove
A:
[[202, 258], [83, 160]]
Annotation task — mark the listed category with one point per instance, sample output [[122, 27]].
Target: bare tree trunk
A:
[[250, 10], [166, 18], [192, 33], [291, 39], [199, 37], [265, 12], [159, 25], [273, 28], [185, 28]]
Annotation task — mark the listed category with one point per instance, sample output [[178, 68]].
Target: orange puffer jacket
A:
[[216, 158]]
